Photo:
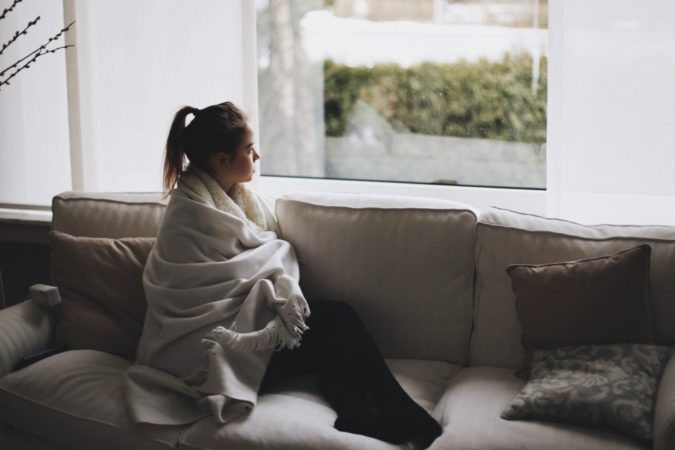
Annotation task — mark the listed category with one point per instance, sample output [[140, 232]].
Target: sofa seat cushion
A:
[[77, 390], [294, 416], [470, 414]]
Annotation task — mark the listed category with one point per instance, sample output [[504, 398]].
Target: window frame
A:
[[529, 200]]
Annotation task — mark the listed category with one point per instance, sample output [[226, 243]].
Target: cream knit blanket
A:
[[222, 294]]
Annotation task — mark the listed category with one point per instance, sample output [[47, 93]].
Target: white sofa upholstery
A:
[[425, 275], [506, 237], [405, 266]]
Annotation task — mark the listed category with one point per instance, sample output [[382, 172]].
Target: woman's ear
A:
[[220, 160]]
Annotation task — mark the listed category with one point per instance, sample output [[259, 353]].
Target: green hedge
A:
[[466, 99]]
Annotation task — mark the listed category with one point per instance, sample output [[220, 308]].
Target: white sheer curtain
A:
[[136, 63], [34, 144], [611, 137], [96, 118]]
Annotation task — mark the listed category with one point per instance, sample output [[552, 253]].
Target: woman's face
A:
[[230, 170], [242, 167]]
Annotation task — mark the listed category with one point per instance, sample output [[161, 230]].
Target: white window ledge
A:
[[525, 200], [24, 225], [25, 215]]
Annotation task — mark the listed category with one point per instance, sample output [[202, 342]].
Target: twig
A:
[[41, 52], [19, 33], [6, 10], [39, 49], [58, 35], [19, 61]]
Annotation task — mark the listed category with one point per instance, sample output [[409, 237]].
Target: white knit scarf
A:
[[241, 202]]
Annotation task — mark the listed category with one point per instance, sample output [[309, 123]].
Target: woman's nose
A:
[[256, 155]]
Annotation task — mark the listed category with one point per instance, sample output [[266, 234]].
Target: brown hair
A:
[[217, 128]]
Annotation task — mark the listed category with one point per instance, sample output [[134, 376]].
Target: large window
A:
[[426, 91], [420, 91]]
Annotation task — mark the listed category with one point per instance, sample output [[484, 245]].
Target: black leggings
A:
[[353, 377]]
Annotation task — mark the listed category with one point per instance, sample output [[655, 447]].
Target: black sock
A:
[[395, 424]]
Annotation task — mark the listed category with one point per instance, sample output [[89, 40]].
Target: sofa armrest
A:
[[25, 329], [664, 411]]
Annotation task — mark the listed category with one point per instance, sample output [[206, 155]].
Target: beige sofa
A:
[[428, 278]]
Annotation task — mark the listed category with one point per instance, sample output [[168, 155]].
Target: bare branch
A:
[[20, 61], [41, 52], [58, 35], [7, 10], [19, 33], [33, 56], [39, 49]]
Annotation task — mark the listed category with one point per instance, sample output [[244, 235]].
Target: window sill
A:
[[24, 225], [25, 215], [531, 201]]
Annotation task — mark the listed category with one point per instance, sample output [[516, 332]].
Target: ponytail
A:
[[216, 128], [174, 160]]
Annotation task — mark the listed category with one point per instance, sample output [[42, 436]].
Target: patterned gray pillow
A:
[[612, 385]]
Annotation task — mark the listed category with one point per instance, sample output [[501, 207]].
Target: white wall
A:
[[34, 144], [612, 111], [137, 63]]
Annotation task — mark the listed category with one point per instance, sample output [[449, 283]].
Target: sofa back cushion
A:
[[111, 215], [405, 264], [100, 242], [507, 237]]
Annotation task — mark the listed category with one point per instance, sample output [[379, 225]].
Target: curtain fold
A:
[[34, 141], [611, 131]]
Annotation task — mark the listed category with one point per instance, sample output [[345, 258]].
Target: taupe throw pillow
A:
[[100, 281], [603, 300], [606, 385]]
